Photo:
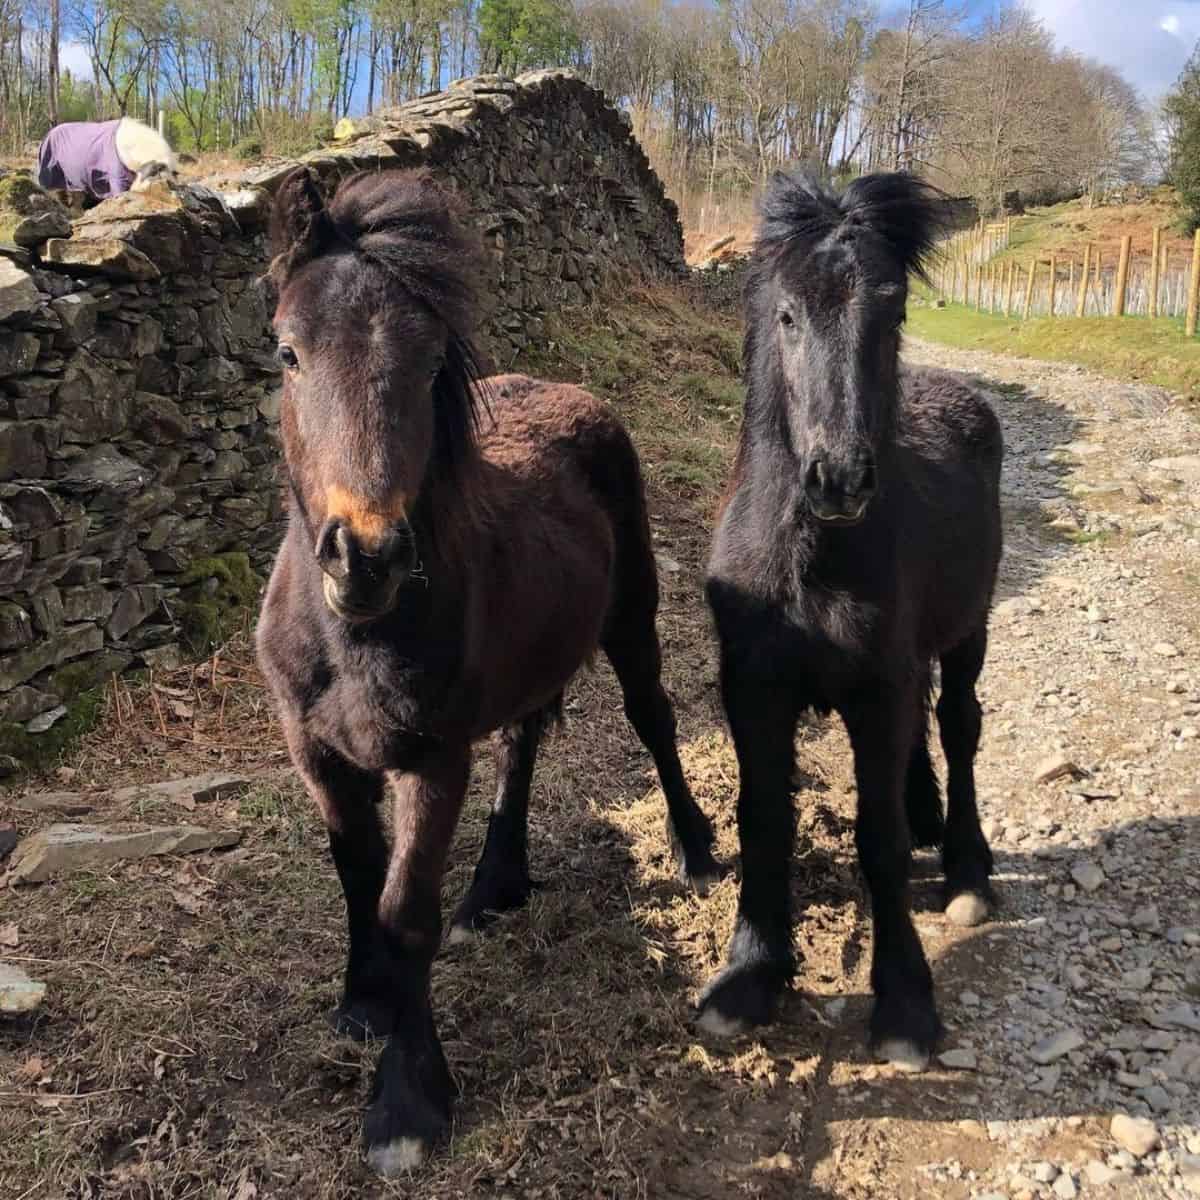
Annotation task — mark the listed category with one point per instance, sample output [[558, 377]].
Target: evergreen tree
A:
[[1182, 107]]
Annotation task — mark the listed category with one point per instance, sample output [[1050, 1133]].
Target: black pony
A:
[[859, 540]]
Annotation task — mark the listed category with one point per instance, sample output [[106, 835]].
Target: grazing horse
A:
[[455, 551], [859, 540], [103, 158]]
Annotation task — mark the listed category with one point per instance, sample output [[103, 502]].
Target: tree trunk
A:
[[902, 89], [52, 64]]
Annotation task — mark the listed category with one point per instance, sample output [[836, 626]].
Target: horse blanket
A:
[[81, 156]]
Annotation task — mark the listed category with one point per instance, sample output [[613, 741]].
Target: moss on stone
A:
[[15, 189], [41, 751], [86, 674], [216, 593]]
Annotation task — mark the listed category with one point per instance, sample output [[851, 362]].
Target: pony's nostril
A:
[[816, 479], [335, 549]]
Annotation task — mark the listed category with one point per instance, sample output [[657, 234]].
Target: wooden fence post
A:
[[1029, 287], [1053, 282], [1155, 255], [1008, 286], [1081, 300], [1122, 276], [979, 287], [1193, 288]]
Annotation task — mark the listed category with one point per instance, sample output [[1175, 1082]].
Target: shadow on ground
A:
[[182, 1050]]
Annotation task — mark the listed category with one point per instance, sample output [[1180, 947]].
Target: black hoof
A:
[[927, 829], [926, 825], [695, 865], [699, 871], [410, 1108], [490, 895], [739, 998], [904, 1030], [360, 1020]]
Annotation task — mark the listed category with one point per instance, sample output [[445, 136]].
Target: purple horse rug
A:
[[81, 156]]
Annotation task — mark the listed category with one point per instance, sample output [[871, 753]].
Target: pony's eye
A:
[[786, 319], [287, 355]]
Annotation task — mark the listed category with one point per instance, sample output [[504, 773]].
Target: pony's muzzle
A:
[[361, 582], [839, 492]]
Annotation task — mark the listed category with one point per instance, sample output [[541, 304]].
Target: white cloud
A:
[[1149, 43], [73, 57]]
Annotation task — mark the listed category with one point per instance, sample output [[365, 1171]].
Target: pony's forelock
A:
[[414, 246], [797, 211]]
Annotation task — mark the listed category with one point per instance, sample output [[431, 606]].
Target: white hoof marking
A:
[[719, 1025], [394, 1158], [902, 1054], [967, 908], [459, 934]]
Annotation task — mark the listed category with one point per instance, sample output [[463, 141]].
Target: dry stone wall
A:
[[138, 391]]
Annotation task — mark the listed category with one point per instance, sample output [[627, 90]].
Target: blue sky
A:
[[1147, 40]]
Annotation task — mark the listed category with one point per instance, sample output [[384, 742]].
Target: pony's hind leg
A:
[[501, 879], [638, 666], [922, 797], [966, 856]]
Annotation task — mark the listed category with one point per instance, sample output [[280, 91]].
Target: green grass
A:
[[669, 361], [1134, 348], [1066, 228]]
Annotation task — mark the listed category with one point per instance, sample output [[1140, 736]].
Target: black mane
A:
[[796, 211]]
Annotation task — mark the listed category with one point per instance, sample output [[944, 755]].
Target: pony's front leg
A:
[[904, 1022], [413, 1091], [760, 962], [349, 802]]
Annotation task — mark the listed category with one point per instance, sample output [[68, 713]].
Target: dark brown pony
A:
[[454, 553], [859, 542]]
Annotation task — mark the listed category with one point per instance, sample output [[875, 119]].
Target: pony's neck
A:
[[452, 515]]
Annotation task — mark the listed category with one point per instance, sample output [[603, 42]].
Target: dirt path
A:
[[182, 1053], [1093, 662]]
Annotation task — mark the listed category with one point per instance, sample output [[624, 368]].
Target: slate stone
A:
[[64, 849]]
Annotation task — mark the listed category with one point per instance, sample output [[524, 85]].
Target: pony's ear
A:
[[299, 223]]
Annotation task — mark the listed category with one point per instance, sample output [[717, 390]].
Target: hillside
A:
[[1065, 229]]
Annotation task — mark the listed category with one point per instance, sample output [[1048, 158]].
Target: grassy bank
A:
[[1065, 229], [1123, 348], [669, 361]]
